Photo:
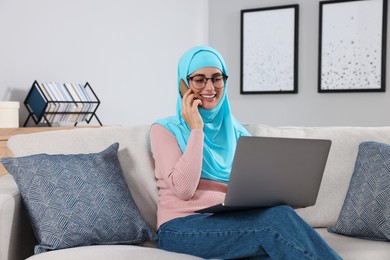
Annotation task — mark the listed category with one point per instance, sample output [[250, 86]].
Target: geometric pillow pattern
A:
[[78, 200], [366, 210]]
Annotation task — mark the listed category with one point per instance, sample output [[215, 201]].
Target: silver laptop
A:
[[270, 171]]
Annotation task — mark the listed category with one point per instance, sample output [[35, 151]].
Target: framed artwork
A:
[[269, 50], [352, 46]]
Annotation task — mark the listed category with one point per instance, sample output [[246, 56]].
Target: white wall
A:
[[127, 50], [308, 107]]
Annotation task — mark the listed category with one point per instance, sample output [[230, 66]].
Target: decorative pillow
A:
[[78, 200], [366, 209]]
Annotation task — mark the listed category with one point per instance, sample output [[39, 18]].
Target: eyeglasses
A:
[[200, 81]]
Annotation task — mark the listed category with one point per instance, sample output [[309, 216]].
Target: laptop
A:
[[270, 171]]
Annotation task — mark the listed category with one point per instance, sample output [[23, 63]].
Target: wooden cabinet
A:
[[6, 133]]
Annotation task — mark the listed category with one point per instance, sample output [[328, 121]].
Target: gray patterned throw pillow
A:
[[366, 210], [78, 200]]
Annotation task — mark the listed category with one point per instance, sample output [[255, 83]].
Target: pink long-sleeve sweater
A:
[[181, 190]]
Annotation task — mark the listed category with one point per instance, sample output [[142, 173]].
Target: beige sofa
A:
[[17, 240]]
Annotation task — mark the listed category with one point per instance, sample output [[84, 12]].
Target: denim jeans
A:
[[271, 233]]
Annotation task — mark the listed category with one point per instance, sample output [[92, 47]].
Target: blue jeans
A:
[[271, 233]]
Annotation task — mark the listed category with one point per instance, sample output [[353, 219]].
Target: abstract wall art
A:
[[352, 46], [269, 50]]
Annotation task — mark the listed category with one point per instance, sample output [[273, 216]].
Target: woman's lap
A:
[[276, 231]]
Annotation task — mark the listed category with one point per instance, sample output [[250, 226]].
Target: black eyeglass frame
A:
[[224, 77]]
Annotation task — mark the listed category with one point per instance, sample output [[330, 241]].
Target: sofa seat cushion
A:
[[117, 252], [339, 167], [350, 248]]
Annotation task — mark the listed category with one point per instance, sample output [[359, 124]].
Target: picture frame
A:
[[269, 50], [352, 46]]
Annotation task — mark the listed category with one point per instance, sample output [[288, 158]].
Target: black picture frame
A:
[[269, 50], [352, 46]]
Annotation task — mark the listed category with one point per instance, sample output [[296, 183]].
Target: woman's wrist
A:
[[200, 128], [197, 130]]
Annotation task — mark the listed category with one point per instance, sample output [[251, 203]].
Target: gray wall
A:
[[128, 51], [308, 107]]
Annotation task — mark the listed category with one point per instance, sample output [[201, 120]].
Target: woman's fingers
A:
[[190, 111], [196, 103], [189, 98]]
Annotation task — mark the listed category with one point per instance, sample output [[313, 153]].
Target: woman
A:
[[193, 153]]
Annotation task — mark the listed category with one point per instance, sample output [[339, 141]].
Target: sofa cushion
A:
[[366, 209], [339, 167], [78, 199], [117, 252], [134, 156]]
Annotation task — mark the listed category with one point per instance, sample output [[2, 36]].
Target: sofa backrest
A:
[[339, 167], [138, 168]]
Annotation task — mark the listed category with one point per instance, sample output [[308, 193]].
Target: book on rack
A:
[[51, 106], [38, 103], [78, 106]]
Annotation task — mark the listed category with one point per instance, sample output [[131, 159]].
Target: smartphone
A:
[[183, 88]]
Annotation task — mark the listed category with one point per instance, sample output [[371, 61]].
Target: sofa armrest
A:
[[16, 235]]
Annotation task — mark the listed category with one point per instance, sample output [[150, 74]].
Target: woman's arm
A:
[[180, 171]]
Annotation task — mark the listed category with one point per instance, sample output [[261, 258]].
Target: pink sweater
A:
[[181, 190]]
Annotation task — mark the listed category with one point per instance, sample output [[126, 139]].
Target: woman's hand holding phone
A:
[[189, 108]]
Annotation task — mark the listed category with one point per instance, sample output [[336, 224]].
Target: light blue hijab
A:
[[221, 129]]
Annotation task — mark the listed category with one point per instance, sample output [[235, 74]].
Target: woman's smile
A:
[[208, 97]]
